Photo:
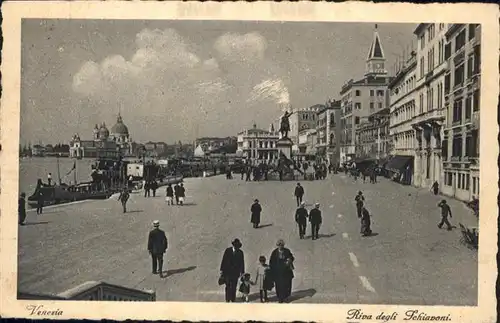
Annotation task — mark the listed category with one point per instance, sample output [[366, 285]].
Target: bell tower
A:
[[375, 61]]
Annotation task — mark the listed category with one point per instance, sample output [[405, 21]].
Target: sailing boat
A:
[[63, 193]]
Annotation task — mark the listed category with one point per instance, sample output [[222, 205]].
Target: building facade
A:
[[402, 111], [327, 129], [460, 149], [257, 145], [363, 98], [105, 143], [300, 121], [430, 115]]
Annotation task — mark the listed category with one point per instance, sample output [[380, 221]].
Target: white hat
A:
[[303, 203], [317, 204], [156, 223]]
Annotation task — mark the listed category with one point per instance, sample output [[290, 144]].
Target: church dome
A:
[[103, 132], [119, 129]]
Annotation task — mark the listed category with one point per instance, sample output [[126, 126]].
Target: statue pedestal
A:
[[284, 146]]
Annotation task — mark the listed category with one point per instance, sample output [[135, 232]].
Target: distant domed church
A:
[[105, 143]]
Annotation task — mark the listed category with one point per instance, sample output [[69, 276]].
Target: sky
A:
[[178, 80]]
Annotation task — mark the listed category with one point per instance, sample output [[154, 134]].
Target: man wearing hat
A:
[[316, 220], [359, 199], [445, 211], [301, 219], [231, 268], [157, 246], [22, 208], [299, 193], [255, 210]]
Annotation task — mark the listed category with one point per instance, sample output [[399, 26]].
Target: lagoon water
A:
[[31, 169]]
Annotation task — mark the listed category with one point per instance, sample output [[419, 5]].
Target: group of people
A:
[[278, 274], [178, 192], [314, 216]]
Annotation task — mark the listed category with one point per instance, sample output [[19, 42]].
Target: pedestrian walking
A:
[[299, 193], [49, 179], [435, 188], [123, 198], [147, 189], [242, 172], [255, 210], [21, 210], [231, 268], [365, 222], [176, 192], [154, 187], [359, 203], [281, 266], [445, 211], [301, 219], [157, 246], [316, 219], [182, 194], [169, 195], [263, 279], [40, 201], [245, 287]]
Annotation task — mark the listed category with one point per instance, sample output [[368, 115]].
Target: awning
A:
[[398, 163]]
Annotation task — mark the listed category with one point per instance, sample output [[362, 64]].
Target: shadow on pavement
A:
[[327, 235], [188, 204], [302, 294], [373, 234], [135, 211], [179, 271], [35, 223], [264, 225]]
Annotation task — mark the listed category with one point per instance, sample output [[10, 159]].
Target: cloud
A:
[[166, 82], [243, 48], [274, 89]]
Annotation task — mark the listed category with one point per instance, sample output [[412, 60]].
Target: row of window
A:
[[471, 105], [403, 113], [372, 92], [462, 181], [404, 88], [405, 140], [261, 144], [468, 146]]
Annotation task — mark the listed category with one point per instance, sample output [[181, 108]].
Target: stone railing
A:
[[97, 291]]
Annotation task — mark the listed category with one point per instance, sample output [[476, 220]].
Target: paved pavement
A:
[[407, 261]]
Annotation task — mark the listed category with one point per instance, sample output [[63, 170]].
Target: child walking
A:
[[245, 286], [263, 279]]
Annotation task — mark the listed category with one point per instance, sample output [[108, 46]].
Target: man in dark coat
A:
[[22, 208], [301, 219], [170, 195], [231, 268], [176, 192], [316, 220], [256, 209], [299, 193], [40, 201], [147, 189], [123, 198], [181, 194], [154, 187], [157, 246], [281, 268], [445, 211], [359, 199]]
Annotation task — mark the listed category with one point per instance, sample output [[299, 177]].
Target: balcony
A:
[[455, 159], [475, 120]]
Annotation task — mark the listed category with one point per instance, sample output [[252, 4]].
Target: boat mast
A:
[[74, 173]]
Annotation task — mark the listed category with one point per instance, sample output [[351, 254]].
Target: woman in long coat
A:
[[365, 222], [256, 209], [281, 268]]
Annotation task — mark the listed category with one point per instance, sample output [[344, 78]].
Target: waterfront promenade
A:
[[407, 261]]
